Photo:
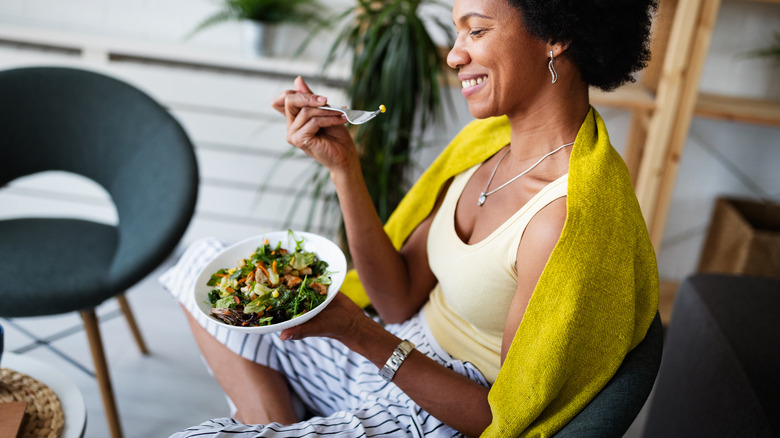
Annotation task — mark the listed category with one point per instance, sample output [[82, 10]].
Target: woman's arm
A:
[[450, 397], [398, 283], [540, 237]]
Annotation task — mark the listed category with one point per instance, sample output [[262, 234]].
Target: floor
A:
[[157, 394]]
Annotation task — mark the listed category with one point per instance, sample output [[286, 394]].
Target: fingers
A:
[[300, 86], [290, 102], [304, 120], [341, 317], [289, 335], [308, 124], [278, 102], [294, 103]]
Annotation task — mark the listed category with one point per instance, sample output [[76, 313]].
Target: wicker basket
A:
[[45, 417]]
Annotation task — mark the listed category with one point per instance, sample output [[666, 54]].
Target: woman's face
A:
[[503, 69]]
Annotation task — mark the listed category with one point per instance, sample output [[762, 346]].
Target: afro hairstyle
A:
[[608, 40]]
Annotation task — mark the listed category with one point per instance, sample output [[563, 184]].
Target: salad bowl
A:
[[324, 248]]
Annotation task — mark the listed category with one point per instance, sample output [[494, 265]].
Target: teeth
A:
[[472, 82]]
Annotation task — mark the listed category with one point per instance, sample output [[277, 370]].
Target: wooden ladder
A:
[[667, 97]]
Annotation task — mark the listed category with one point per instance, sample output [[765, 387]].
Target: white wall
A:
[[225, 110]]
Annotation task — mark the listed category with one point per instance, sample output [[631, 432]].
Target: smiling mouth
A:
[[468, 83]]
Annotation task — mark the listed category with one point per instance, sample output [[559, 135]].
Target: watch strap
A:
[[398, 357]]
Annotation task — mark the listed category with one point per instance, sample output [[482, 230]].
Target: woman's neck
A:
[[552, 123]]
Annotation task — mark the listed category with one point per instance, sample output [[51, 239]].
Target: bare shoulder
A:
[[540, 237], [544, 229]]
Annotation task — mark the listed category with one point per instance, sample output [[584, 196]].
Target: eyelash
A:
[[477, 33]]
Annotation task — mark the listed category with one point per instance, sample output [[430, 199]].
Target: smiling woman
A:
[[512, 279]]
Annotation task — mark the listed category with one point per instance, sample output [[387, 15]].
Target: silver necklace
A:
[[483, 196]]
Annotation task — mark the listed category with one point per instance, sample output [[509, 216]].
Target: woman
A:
[[529, 201]]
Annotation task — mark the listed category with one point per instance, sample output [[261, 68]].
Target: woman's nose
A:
[[457, 56]]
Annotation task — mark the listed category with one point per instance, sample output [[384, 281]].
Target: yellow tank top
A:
[[467, 309]]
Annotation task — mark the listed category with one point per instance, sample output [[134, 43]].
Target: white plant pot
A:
[[256, 39]]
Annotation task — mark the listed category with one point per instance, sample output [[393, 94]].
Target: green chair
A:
[[719, 376], [78, 121], [615, 408]]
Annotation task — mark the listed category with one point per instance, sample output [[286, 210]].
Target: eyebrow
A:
[[470, 15]]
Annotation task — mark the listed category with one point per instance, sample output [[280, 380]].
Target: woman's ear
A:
[[557, 48]]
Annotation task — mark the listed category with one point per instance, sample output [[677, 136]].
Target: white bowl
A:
[[324, 249]]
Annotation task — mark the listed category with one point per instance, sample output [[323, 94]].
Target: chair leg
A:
[[101, 371], [125, 307]]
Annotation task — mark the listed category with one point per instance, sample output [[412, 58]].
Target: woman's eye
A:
[[477, 32]]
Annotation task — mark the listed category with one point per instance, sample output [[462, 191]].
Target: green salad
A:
[[270, 286]]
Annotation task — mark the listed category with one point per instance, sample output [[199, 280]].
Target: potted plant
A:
[[395, 63], [259, 17]]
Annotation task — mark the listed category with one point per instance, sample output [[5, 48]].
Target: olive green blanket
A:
[[595, 299]]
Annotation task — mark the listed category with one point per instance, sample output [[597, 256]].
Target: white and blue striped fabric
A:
[[342, 389]]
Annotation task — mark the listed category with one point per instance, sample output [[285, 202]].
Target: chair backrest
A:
[[719, 376], [55, 118], [615, 408]]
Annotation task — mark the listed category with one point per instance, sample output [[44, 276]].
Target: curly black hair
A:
[[609, 40]]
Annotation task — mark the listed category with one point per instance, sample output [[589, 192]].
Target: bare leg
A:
[[260, 393]]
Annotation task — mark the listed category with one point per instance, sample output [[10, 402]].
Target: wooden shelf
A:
[[732, 108], [738, 109]]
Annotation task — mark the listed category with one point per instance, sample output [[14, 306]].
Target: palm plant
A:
[[395, 62]]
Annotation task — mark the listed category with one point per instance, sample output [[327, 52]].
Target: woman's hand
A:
[[339, 319], [321, 134]]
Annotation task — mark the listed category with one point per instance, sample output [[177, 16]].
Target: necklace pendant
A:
[[482, 199]]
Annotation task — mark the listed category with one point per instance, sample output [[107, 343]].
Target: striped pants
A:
[[342, 388]]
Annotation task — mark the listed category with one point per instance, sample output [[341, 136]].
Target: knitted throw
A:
[[595, 299]]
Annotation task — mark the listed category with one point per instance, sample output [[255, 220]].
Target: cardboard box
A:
[[743, 238]]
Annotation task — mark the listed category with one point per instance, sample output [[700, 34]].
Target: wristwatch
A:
[[398, 357]]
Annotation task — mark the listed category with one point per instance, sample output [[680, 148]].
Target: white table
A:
[[70, 396]]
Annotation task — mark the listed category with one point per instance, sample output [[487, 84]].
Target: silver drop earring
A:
[[551, 67]]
